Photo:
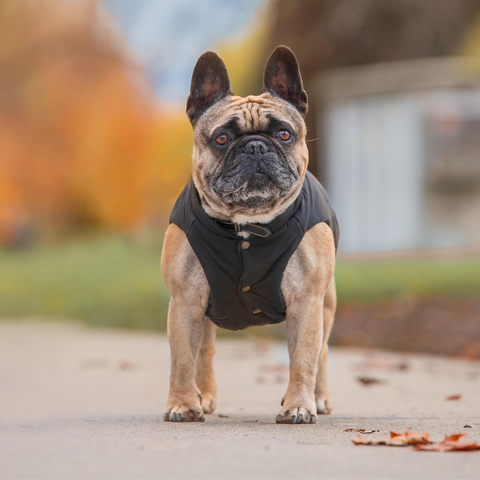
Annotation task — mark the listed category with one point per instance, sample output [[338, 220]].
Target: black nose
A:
[[256, 147]]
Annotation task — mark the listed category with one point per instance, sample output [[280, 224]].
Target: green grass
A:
[[113, 282], [107, 282], [379, 281]]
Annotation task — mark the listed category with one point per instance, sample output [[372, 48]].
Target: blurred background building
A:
[[95, 147], [402, 153]]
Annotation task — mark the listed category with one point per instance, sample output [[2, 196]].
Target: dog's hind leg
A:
[[322, 391], [204, 376]]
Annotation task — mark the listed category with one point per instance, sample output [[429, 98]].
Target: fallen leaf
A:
[[125, 365], [360, 430], [396, 440], [384, 363], [417, 438], [453, 397], [467, 426], [369, 381], [367, 441], [450, 444], [455, 437], [421, 441]]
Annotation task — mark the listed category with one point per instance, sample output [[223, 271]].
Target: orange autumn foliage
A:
[[83, 141]]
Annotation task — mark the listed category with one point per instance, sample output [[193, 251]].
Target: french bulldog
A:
[[252, 239]]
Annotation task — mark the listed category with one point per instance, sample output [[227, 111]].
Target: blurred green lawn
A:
[[116, 283]]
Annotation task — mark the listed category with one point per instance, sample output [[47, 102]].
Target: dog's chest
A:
[[245, 274]]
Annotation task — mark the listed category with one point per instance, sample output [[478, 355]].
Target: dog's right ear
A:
[[210, 83]]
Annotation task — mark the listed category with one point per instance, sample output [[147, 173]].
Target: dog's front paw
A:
[[324, 405], [183, 413], [209, 402], [296, 415]]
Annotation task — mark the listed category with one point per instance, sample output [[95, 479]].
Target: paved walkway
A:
[[82, 403]]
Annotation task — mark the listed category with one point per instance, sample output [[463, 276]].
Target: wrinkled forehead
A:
[[253, 114]]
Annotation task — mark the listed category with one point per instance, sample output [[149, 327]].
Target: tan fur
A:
[[189, 289], [252, 113], [305, 284], [204, 376]]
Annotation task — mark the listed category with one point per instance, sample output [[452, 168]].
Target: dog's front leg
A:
[[188, 286], [185, 330], [304, 334], [304, 286]]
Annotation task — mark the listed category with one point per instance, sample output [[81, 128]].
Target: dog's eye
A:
[[284, 135], [222, 139]]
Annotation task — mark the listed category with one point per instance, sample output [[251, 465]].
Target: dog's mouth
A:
[[254, 176]]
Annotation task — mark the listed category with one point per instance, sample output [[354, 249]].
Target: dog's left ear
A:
[[282, 78]]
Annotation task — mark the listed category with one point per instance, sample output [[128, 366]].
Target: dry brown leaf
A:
[[454, 437], [370, 381], [453, 397], [125, 365], [421, 441], [396, 440], [366, 441], [384, 363], [417, 438], [450, 444], [360, 430]]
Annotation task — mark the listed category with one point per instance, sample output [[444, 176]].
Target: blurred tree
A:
[[340, 33], [83, 140]]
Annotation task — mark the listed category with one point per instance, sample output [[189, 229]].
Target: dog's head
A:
[[250, 155]]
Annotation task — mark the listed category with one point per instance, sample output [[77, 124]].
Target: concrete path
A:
[[80, 403]]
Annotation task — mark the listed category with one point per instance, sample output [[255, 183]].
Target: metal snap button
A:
[[257, 310], [245, 245], [245, 289]]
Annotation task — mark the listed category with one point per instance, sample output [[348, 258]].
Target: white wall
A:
[[375, 171]]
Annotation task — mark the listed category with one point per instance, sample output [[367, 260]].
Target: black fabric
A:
[[253, 228], [229, 268]]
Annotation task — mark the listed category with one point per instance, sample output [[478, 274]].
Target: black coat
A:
[[245, 275]]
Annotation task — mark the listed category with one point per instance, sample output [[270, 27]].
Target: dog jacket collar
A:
[[252, 228], [245, 274]]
